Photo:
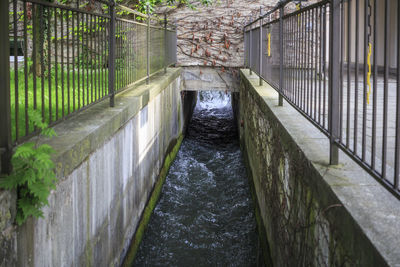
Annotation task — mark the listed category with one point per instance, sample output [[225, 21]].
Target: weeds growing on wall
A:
[[33, 173]]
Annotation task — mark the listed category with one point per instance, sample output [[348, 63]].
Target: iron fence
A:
[[60, 59], [337, 63]]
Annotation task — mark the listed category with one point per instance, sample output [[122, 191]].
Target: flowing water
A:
[[205, 215]]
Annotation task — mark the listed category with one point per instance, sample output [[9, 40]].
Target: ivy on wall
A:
[[213, 35]]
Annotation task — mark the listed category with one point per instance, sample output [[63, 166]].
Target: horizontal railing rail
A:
[[337, 63], [60, 59]]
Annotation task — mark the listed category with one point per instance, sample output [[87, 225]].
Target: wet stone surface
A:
[[205, 215]]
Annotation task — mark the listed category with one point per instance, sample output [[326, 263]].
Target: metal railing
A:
[[60, 59], [337, 63]]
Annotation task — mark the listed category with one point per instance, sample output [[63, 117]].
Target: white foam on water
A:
[[207, 100]]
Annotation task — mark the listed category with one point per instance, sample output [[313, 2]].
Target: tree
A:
[[141, 5], [40, 26]]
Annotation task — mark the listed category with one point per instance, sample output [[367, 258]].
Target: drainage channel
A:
[[205, 215]]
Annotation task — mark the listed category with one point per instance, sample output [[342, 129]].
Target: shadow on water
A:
[[205, 215]]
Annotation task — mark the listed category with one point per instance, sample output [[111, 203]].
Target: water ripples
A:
[[205, 215]]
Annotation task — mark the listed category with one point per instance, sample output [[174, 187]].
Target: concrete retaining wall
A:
[[313, 214], [108, 160], [206, 78]]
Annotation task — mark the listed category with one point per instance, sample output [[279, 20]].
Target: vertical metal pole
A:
[[148, 44], [349, 56], [397, 147], [175, 40], [111, 64], [16, 98], [250, 41], [385, 88], [5, 107], [26, 68], [334, 80], [68, 69], [365, 88], [355, 113], [165, 43], [375, 86], [280, 55], [245, 47], [260, 48]]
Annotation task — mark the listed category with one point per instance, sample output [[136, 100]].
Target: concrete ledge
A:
[[343, 215], [83, 133], [205, 78]]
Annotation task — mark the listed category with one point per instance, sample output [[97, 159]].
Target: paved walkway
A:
[[316, 98]]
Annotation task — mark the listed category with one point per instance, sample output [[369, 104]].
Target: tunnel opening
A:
[[206, 213]]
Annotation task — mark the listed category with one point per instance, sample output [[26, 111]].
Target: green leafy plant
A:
[[142, 5], [33, 173]]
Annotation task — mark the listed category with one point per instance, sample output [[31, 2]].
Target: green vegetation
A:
[[151, 204], [70, 94], [61, 100], [56, 90], [33, 173], [141, 6]]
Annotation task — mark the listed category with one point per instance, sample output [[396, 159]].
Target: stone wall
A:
[[7, 230], [314, 214], [213, 35], [108, 160]]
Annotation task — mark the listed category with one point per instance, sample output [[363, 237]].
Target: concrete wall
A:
[[313, 214], [108, 160], [207, 78]]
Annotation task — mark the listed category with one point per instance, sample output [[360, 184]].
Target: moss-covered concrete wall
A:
[[108, 161], [313, 214]]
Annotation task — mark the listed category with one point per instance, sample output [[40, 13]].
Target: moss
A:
[[174, 148], [262, 233], [179, 115], [4, 219]]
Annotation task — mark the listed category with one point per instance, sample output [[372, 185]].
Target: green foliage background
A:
[[141, 6]]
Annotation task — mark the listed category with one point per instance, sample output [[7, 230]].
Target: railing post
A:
[[175, 41], [260, 48], [148, 44], [165, 43], [111, 57], [250, 39], [280, 55], [5, 107], [245, 49], [334, 80]]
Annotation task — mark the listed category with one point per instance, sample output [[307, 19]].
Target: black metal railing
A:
[[60, 59], [337, 63]]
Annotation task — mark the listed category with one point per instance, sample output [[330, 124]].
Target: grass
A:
[[59, 97]]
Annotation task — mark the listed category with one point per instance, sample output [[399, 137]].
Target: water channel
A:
[[205, 215]]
